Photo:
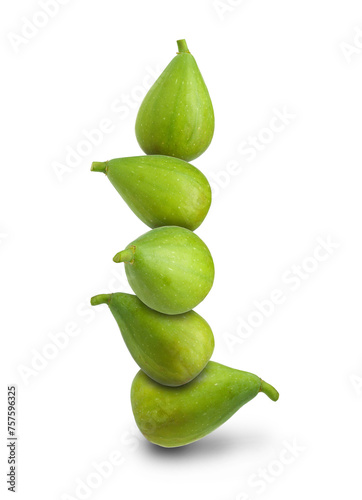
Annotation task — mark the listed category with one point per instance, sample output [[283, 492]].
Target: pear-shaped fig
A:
[[176, 416], [176, 117], [161, 190], [170, 269], [171, 349]]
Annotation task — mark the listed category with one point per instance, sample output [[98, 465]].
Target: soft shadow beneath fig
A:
[[209, 446]]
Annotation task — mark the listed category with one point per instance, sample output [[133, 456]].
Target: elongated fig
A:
[[171, 349], [161, 191], [172, 417], [176, 117], [170, 269]]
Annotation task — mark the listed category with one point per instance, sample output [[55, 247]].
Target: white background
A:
[[59, 233]]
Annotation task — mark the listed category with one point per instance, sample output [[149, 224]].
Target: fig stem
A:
[[124, 256], [269, 390], [99, 166], [103, 298], [182, 46]]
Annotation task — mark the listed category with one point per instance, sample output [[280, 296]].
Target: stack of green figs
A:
[[179, 395]]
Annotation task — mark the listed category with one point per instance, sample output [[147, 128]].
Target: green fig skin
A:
[[170, 269], [172, 350], [176, 117], [161, 191], [172, 417]]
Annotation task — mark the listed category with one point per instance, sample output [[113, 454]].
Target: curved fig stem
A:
[[103, 298], [269, 390], [125, 256], [182, 46]]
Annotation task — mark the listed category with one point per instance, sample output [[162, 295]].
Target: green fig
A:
[[170, 269], [161, 191], [172, 417], [171, 349], [176, 117]]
